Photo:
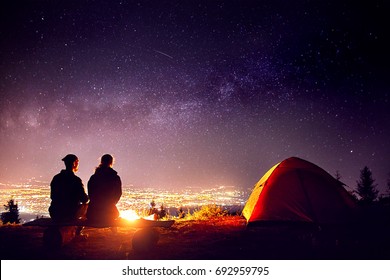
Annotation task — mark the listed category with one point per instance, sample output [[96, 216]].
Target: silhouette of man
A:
[[104, 190], [68, 197]]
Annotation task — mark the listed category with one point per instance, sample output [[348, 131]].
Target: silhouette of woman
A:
[[104, 190]]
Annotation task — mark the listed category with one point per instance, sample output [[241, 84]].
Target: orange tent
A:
[[296, 190]]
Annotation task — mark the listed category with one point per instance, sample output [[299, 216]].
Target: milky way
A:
[[194, 93]]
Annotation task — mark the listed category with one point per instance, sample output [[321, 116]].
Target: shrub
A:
[[207, 212], [12, 216]]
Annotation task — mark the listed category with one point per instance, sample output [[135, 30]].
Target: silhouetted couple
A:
[[69, 201]]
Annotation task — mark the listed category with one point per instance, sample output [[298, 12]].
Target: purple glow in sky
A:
[[194, 93]]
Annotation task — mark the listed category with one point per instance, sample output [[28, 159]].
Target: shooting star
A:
[[167, 55]]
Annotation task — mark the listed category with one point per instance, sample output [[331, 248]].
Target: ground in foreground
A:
[[219, 238]]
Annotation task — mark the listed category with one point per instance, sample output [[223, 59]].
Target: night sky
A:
[[194, 93]]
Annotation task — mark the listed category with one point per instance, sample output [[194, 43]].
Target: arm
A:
[[54, 189], [82, 195], [117, 188]]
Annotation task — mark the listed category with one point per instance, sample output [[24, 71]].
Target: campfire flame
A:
[[129, 215]]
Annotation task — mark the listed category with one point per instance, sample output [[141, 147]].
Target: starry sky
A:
[[194, 93]]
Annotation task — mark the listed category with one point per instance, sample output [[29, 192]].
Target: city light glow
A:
[[34, 199]]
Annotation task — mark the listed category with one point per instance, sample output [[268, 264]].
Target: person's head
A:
[[71, 162], [107, 160]]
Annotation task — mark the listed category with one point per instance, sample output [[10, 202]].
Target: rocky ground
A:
[[216, 238]]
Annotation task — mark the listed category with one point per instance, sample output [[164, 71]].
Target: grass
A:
[[206, 212]]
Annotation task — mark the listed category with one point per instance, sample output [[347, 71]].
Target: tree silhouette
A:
[[366, 187], [12, 214], [338, 175], [388, 185], [385, 197]]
